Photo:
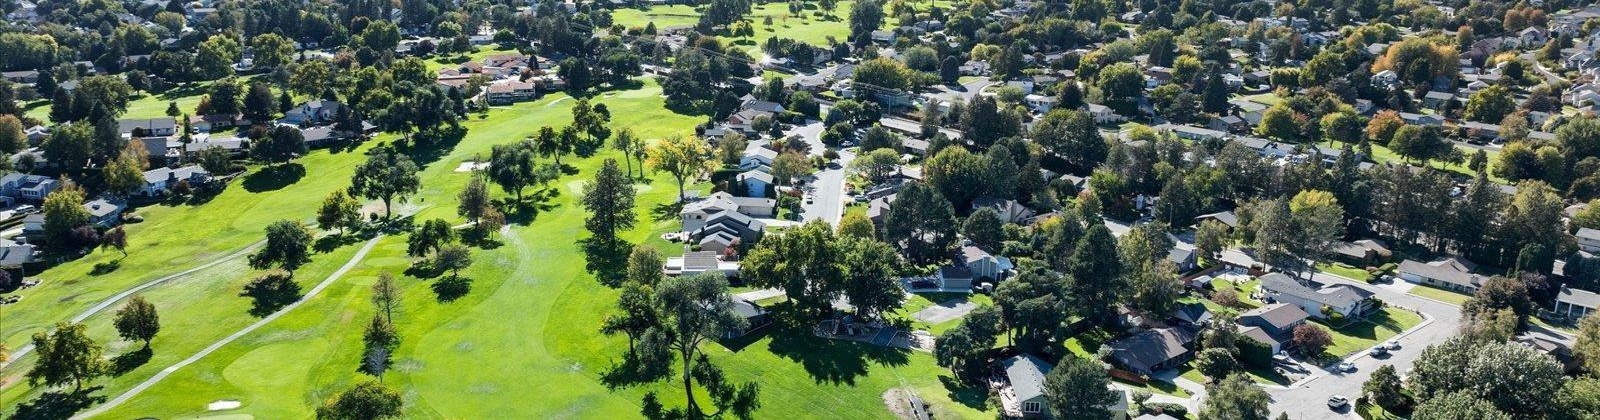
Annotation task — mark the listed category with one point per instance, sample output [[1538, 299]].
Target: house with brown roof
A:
[[1449, 273], [1155, 350]]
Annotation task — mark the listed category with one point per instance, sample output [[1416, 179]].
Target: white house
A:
[[1589, 240], [1450, 273], [160, 180], [1104, 114], [1574, 303]]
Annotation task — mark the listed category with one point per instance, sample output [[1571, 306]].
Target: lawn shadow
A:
[[631, 371], [827, 360], [424, 150], [270, 293], [58, 404], [973, 396], [523, 212], [274, 177], [608, 261], [666, 211], [449, 289], [331, 242], [424, 269], [129, 361]]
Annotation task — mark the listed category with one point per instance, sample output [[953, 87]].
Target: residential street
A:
[[826, 195], [1308, 398]]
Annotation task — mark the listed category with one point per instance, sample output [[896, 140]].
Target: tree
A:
[[137, 321], [430, 237], [685, 157], [1235, 398], [12, 138], [964, 349], [1072, 135], [1511, 377], [695, 309], [985, 229], [644, 265], [365, 401], [116, 238], [125, 174], [805, 262], [1381, 128], [1096, 275], [1383, 388], [338, 211], [856, 225], [1489, 105], [63, 211], [636, 312], [609, 199], [474, 199], [1458, 405], [66, 355], [1311, 339], [865, 16], [1211, 237], [386, 175], [386, 295], [1121, 84], [1217, 363], [1280, 122], [453, 257], [512, 167], [287, 246], [259, 103], [1343, 127], [216, 56], [922, 223], [1079, 388], [280, 145]]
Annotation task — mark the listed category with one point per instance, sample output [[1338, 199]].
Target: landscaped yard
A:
[[1345, 270], [1441, 295], [1377, 328]]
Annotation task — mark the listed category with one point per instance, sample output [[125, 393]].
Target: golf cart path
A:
[[348, 265], [113, 299]]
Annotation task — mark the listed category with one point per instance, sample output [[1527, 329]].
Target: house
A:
[[21, 77], [1575, 303], [105, 212], [1230, 123], [1273, 324], [1192, 313], [878, 208], [984, 265], [1010, 211], [36, 134], [1104, 114], [509, 92], [1361, 253], [745, 120], [160, 180], [210, 123], [16, 187], [1022, 396], [1421, 119], [757, 157], [1342, 299], [1589, 240], [1437, 100], [1041, 103], [1190, 133], [148, 127], [695, 214], [1450, 273], [1150, 351], [1533, 36], [1386, 78], [693, 263], [1183, 259], [17, 255], [754, 316], [315, 112], [1227, 218], [756, 183]]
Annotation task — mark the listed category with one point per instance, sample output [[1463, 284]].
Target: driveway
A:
[[1307, 398]]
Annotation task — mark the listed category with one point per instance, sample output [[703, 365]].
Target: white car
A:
[[1337, 402], [1392, 345], [1346, 367], [1378, 351]]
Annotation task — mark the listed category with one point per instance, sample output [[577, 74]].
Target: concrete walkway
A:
[[348, 265], [756, 295], [113, 299]]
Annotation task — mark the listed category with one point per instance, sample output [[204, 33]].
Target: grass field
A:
[[1346, 270], [1377, 328], [1441, 295], [531, 313]]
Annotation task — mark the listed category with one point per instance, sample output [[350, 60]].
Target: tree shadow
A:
[[274, 177], [828, 360], [523, 212], [58, 404], [424, 269], [666, 211], [103, 268], [425, 149], [632, 372], [332, 242], [129, 361], [970, 395], [449, 289], [608, 261], [270, 293]]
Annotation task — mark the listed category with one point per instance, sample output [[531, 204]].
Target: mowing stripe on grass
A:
[[348, 265], [25, 349]]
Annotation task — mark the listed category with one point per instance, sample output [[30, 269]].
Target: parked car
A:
[[923, 284], [1346, 367], [1282, 358], [1378, 351], [1337, 402], [1392, 345]]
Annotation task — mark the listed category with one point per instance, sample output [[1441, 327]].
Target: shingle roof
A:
[[1579, 297], [1026, 374], [1151, 347], [1337, 296], [1450, 270], [1278, 315]]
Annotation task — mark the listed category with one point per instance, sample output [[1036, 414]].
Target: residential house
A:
[[1192, 313], [1010, 211], [1386, 78], [1342, 299], [1227, 218], [1361, 253], [1589, 240], [754, 316], [1421, 119], [693, 263], [1104, 114], [1230, 123], [695, 214], [1272, 324], [21, 77], [147, 127], [1437, 100], [1150, 351], [878, 208], [16, 255], [984, 265], [105, 212], [1450, 273], [1041, 103], [314, 112], [1575, 303], [756, 183], [1023, 395], [210, 123], [16, 187], [160, 180], [509, 92], [745, 120], [1533, 37], [1183, 259], [757, 157]]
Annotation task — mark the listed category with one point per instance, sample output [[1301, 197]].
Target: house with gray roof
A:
[[1151, 351], [1575, 303], [105, 212], [160, 180], [1588, 239], [1023, 394], [151, 127], [16, 186], [696, 214], [754, 316], [13, 256], [1342, 299], [1450, 273]]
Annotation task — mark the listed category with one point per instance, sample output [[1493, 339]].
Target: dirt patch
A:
[[905, 405]]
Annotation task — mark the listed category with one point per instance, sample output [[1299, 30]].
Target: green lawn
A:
[[1158, 387], [920, 301], [1381, 154], [437, 63], [532, 311], [1441, 295], [1377, 328], [1346, 270]]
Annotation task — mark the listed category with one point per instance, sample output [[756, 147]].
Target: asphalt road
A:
[[826, 194]]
